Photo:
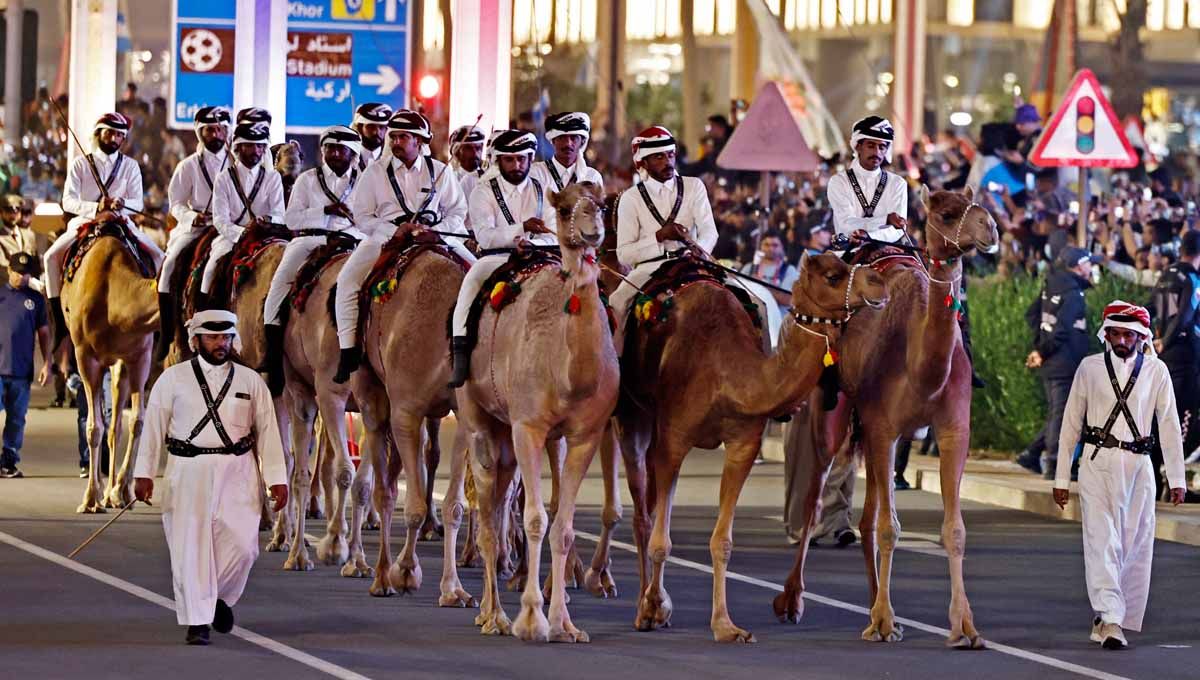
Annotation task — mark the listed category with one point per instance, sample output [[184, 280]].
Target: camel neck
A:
[[584, 325], [934, 328]]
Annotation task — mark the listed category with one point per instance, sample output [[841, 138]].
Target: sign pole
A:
[[1085, 199]]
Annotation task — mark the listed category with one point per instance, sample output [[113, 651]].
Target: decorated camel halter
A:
[[572, 238], [801, 320], [962, 221]]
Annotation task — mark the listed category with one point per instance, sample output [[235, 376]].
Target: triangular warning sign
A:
[[1084, 132], [769, 138]]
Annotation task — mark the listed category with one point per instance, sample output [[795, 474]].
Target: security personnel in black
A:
[[1176, 322], [1058, 318]]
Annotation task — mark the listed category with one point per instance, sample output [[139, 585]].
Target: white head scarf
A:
[[213, 322]]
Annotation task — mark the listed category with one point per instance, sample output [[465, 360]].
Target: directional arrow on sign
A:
[[385, 80]]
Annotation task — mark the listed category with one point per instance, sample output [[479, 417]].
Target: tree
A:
[[1129, 65]]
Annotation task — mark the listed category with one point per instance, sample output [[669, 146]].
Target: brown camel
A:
[[902, 369], [544, 367], [701, 378], [112, 313]]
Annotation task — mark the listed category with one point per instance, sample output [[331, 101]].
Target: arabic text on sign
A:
[[320, 55]]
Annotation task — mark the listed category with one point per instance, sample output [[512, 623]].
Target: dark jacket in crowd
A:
[[1058, 318], [1176, 317]]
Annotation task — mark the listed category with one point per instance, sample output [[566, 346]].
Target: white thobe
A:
[[230, 215], [375, 205], [639, 248], [1116, 487], [467, 181], [367, 158], [493, 230], [82, 197], [189, 194], [849, 215], [210, 503], [576, 173], [307, 211]]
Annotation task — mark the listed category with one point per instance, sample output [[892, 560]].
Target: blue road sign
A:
[[341, 53]]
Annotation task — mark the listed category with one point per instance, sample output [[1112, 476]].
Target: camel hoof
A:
[[569, 635], [333, 550], [516, 583], [876, 633], [381, 587], [90, 508], [277, 545], [654, 611], [732, 633], [407, 579], [432, 531], [788, 608], [468, 561], [356, 568], [299, 562], [600, 584], [548, 590], [531, 625], [965, 642], [494, 624], [457, 598]]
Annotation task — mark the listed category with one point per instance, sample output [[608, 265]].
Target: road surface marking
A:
[[167, 603]]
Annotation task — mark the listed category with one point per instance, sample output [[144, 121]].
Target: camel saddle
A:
[[91, 232], [504, 285], [652, 305], [881, 257], [336, 244], [238, 264]]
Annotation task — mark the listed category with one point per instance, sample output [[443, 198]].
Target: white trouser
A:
[[472, 284], [769, 305], [295, 254], [56, 254], [1116, 496], [211, 508], [181, 237], [221, 247], [356, 270]]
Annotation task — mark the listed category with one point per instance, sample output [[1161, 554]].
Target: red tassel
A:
[[949, 300], [573, 304]]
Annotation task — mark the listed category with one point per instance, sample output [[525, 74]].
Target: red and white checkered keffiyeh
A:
[[652, 140], [1121, 314], [113, 121]]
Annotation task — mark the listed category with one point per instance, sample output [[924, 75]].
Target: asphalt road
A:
[[109, 615]]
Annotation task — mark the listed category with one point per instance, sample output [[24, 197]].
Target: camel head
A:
[[580, 213], [828, 286], [957, 224]]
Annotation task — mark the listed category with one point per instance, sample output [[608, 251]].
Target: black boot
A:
[[223, 617], [197, 635], [60, 323], [201, 301], [166, 325], [348, 362], [275, 379], [460, 352]]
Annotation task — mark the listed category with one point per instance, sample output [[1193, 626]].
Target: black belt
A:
[[665, 256], [1096, 436], [178, 447], [316, 232], [484, 252]]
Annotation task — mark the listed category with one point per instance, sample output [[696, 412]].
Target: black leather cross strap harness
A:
[[185, 448], [1102, 437]]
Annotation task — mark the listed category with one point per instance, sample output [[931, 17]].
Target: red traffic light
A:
[[429, 86]]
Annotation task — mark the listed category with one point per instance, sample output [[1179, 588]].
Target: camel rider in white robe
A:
[[568, 133], [662, 216], [370, 122], [507, 212], [190, 195], [208, 414], [466, 158], [868, 201], [83, 198], [320, 205], [1114, 399], [406, 193], [249, 192]]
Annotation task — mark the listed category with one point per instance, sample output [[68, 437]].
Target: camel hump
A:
[[654, 304], [91, 233]]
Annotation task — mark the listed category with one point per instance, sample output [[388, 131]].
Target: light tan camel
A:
[[112, 313], [544, 367], [701, 378], [902, 369]]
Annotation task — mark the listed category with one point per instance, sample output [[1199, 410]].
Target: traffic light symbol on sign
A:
[[1085, 124]]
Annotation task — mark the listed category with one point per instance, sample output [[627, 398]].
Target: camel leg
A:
[[469, 557], [93, 387], [119, 491], [789, 605], [493, 468], [881, 523], [284, 520], [739, 460], [655, 607], [634, 441], [371, 521], [432, 528], [514, 534], [406, 433], [317, 493], [138, 373], [303, 412], [387, 467], [562, 535], [454, 505], [360, 498], [332, 548], [528, 442], [557, 453], [953, 443], [324, 483], [598, 579]]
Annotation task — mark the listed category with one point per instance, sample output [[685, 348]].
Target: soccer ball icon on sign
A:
[[200, 50]]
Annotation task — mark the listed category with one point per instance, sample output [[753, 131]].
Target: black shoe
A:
[[348, 362], [1030, 462], [845, 537], [10, 472], [901, 484], [460, 352], [223, 618], [60, 323], [166, 326], [197, 635], [275, 378]]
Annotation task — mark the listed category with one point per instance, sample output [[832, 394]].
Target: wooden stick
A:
[[101, 530]]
